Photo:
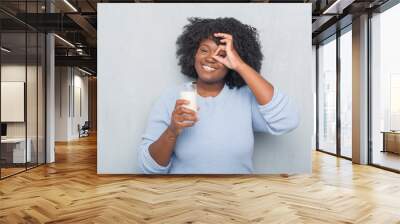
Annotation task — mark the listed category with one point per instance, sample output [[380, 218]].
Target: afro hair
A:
[[245, 42]]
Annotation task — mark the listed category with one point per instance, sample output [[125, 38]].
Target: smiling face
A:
[[209, 70]]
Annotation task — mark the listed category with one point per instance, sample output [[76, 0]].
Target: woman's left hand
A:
[[232, 59]]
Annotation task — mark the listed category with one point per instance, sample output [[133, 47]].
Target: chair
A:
[[84, 130]]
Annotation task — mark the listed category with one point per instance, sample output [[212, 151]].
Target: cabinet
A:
[[391, 141]]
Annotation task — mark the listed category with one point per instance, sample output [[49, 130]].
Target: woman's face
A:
[[208, 69]]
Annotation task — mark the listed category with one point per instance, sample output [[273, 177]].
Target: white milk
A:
[[191, 97]]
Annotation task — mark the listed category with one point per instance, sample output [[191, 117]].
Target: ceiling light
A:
[[86, 72], [5, 50], [338, 6], [64, 40], [70, 5]]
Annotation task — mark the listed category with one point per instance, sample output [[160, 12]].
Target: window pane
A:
[[386, 89], [14, 153], [41, 98], [327, 97], [31, 101], [346, 94]]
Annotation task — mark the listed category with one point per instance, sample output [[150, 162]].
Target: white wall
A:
[[67, 81], [33, 126], [61, 103], [16, 72], [136, 62], [314, 80]]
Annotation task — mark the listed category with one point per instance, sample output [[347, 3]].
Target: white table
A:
[[19, 149]]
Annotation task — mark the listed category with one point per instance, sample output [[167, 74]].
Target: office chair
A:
[[84, 130]]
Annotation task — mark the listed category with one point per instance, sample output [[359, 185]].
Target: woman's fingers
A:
[[227, 39], [186, 117], [188, 110], [183, 122], [228, 43], [225, 35], [184, 110], [180, 102], [183, 117], [221, 51], [183, 114], [218, 57]]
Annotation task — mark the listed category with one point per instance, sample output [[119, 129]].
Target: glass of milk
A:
[[190, 93]]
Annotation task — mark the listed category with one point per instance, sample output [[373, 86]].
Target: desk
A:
[[15, 148], [391, 141]]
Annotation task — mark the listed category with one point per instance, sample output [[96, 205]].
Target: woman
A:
[[224, 57]]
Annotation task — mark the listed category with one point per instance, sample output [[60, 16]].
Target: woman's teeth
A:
[[208, 69]]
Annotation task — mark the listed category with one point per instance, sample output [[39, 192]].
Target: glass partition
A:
[[385, 89], [13, 104], [346, 94], [327, 96], [22, 101]]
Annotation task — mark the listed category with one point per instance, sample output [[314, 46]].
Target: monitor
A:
[[3, 129]]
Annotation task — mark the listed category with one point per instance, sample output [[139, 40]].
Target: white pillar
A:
[[360, 90], [50, 92]]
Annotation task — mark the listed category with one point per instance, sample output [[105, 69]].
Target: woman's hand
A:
[[182, 117], [232, 59]]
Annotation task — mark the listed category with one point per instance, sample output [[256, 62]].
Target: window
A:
[[22, 77], [327, 96], [346, 94], [385, 89]]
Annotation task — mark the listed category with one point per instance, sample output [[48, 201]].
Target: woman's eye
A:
[[202, 50], [222, 54]]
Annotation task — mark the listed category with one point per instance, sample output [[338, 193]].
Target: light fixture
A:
[[64, 40], [337, 7], [79, 51], [84, 71], [70, 5], [5, 50]]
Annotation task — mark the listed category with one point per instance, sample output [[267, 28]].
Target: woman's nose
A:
[[210, 59]]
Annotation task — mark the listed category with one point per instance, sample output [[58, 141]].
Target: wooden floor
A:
[[70, 191], [387, 159], [5, 172]]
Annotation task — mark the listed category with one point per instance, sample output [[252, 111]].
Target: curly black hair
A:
[[245, 42]]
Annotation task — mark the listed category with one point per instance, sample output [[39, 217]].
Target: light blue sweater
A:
[[221, 142]]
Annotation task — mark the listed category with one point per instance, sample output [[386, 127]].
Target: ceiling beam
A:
[[85, 61], [83, 23]]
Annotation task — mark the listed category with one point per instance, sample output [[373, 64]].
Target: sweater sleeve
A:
[[158, 122], [277, 117]]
